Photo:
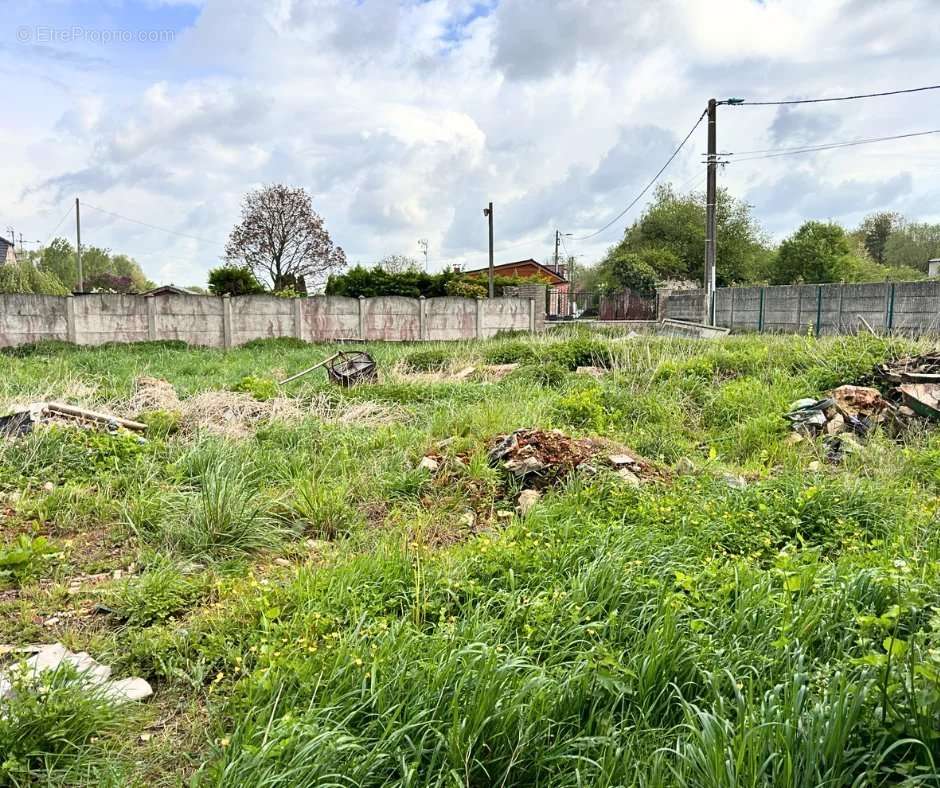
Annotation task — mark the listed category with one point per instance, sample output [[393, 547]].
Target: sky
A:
[[404, 118]]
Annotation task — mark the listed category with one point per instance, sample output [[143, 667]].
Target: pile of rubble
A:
[[849, 413], [541, 458]]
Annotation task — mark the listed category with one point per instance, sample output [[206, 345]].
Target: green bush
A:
[[582, 408], [579, 352], [161, 423], [261, 389], [548, 374], [511, 351], [427, 360]]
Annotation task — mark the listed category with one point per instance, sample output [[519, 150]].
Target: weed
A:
[[163, 590], [261, 389], [427, 360], [25, 558], [509, 351]]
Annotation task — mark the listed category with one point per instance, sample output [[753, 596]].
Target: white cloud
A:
[[403, 119]]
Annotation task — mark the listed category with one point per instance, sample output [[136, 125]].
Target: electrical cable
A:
[[67, 214], [648, 185], [772, 154], [151, 226], [735, 103]]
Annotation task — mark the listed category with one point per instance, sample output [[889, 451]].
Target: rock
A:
[[124, 690], [734, 481], [594, 372], [465, 373], [282, 562], [429, 464], [445, 442], [685, 466], [619, 460], [316, 544], [504, 514], [48, 487], [468, 519], [835, 425], [793, 438], [117, 574], [527, 499], [629, 477], [814, 465], [146, 736]]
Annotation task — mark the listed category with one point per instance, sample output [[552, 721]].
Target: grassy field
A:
[[312, 608]]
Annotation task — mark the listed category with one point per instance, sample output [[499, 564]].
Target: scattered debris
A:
[[910, 369], [594, 372], [688, 330], [922, 398], [853, 409], [541, 458], [527, 499], [90, 672], [23, 420], [345, 367]]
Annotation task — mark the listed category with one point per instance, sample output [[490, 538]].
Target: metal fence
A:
[[562, 304]]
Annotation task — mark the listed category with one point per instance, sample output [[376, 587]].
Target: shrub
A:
[[233, 280], [260, 388], [579, 352], [463, 288], [161, 423], [160, 592], [427, 360], [549, 374], [582, 408], [508, 352], [25, 558]]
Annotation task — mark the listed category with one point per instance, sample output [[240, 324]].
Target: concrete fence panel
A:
[[32, 318], [450, 318], [195, 319], [261, 317], [393, 318], [110, 317], [328, 318], [504, 314]]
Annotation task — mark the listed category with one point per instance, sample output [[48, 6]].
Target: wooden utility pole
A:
[[78, 247], [488, 212], [711, 230]]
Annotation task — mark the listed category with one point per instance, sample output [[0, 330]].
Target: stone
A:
[[734, 481], [685, 466], [499, 371], [282, 562], [504, 514], [48, 487], [468, 519], [629, 477], [124, 690], [814, 465], [429, 464], [618, 460], [527, 499], [594, 372]]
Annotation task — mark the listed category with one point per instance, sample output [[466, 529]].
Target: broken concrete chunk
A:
[[527, 499], [429, 464], [619, 460], [468, 519], [734, 481], [629, 477], [90, 672]]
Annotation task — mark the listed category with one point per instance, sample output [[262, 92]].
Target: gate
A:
[[626, 305]]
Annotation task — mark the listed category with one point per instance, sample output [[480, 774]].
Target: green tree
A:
[[912, 245], [817, 252], [235, 280], [98, 265], [24, 277], [633, 271], [58, 259], [671, 237], [874, 232]]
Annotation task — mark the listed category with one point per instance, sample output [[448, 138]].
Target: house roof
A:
[[555, 277], [4, 246], [169, 290]]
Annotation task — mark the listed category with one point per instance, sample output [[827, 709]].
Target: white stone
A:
[[527, 499]]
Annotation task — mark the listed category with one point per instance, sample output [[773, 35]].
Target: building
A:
[[933, 267], [7, 251], [556, 281]]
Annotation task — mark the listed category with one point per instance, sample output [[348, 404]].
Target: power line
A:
[[67, 215], [738, 102], [647, 187], [151, 226], [773, 154]]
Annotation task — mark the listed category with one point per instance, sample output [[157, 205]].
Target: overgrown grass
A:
[[340, 616]]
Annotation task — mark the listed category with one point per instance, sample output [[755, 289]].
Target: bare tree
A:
[[282, 239], [399, 263]]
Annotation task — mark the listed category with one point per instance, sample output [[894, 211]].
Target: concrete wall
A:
[[226, 322], [900, 307]]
